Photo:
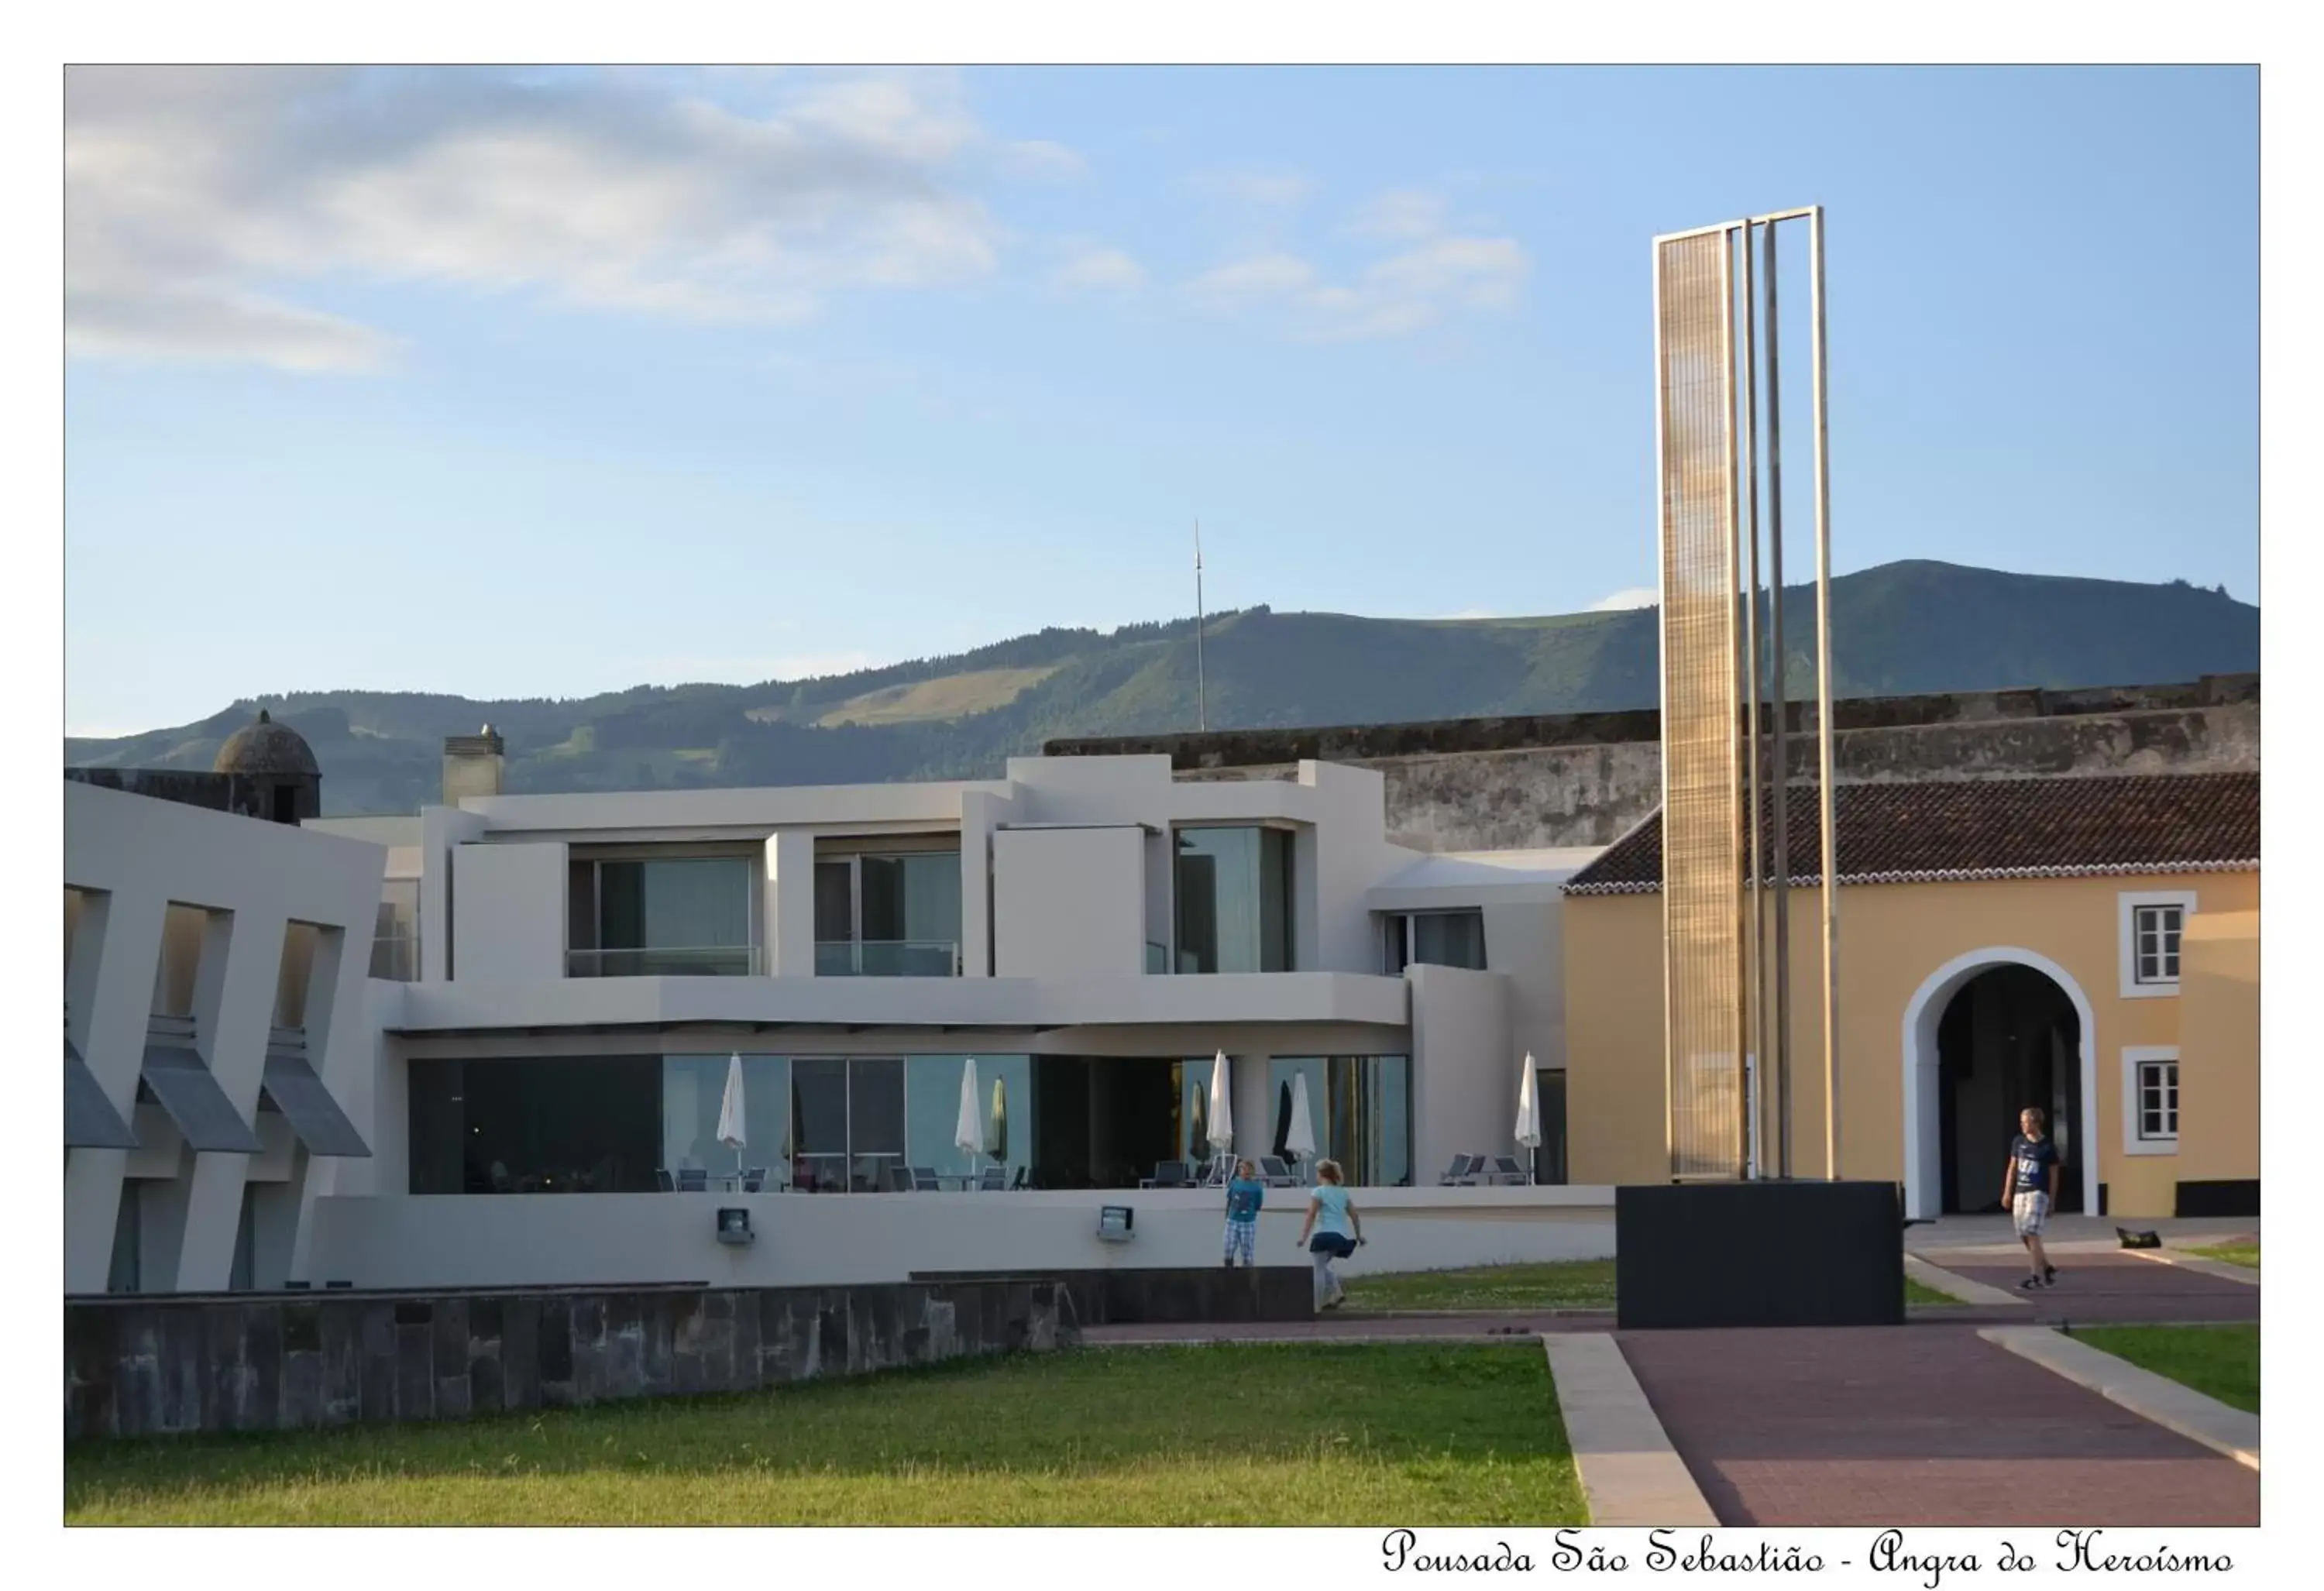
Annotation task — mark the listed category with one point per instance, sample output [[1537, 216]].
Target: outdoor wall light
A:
[[734, 1227], [1114, 1222]]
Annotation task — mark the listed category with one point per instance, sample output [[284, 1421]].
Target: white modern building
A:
[[561, 984]]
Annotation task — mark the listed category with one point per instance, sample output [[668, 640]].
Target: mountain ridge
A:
[[1904, 628]]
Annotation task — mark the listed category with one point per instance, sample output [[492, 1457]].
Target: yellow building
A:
[[2089, 945]]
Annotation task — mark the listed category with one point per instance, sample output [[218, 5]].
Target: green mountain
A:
[[1900, 628]]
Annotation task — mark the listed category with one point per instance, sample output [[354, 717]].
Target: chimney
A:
[[472, 765]]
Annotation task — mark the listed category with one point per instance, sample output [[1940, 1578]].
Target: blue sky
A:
[[543, 385]]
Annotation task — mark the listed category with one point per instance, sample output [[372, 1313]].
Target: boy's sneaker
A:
[[2049, 1276], [2030, 1284]]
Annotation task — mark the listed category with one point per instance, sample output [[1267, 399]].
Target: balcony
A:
[[887, 958], [714, 961]]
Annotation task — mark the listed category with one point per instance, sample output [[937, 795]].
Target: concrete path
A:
[[2226, 1431], [1631, 1475], [2111, 1285], [1338, 1327], [1925, 1424], [2224, 1270], [1961, 1287]]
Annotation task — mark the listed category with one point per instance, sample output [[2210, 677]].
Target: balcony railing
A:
[[887, 958], [395, 957], [712, 961]]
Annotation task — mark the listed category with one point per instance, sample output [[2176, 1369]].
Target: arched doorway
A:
[[2008, 1038], [1987, 1035]]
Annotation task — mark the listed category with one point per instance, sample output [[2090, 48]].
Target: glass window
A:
[[693, 1096], [128, 1229], [1438, 939], [819, 1119], [395, 939], [2158, 1099], [1549, 1160], [834, 902], [889, 917], [1233, 901], [1195, 1110], [550, 1125], [184, 929], [1004, 1087], [683, 917], [241, 1275], [2157, 929], [1359, 1109], [875, 1123]]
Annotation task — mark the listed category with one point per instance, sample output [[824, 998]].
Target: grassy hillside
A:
[[1899, 629]]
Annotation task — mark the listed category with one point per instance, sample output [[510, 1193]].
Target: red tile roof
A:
[[1932, 831]]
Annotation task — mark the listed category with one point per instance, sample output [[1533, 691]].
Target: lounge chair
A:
[[754, 1180], [663, 1182], [1170, 1173], [994, 1180], [1463, 1172], [1506, 1171], [1274, 1173], [922, 1180], [1024, 1179], [693, 1179]]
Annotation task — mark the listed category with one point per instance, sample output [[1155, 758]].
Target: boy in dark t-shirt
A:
[[2029, 1187]]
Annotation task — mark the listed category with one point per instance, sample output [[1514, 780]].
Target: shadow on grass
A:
[[1159, 1434]]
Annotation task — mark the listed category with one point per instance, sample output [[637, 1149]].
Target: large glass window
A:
[[554, 1125], [1233, 894], [395, 941], [888, 916], [1436, 939], [674, 917], [693, 1096], [1549, 1160], [1004, 1110], [849, 1117], [1359, 1109]]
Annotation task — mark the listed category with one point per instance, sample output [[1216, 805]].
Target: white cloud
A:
[[1629, 597], [1405, 292], [1473, 613], [201, 202], [1403, 215], [1100, 268], [1039, 158], [1265, 190]]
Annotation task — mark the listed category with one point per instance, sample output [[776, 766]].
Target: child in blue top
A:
[[1337, 1231], [1245, 1194]]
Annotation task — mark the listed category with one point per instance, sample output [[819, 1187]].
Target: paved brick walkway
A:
[[1923, 1424], [1335, 1326], [2094, 1288]]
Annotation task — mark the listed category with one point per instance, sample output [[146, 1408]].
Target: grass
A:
[[2235, 1254], [2218, 1361], [1243, 1434], [1567, 1285]]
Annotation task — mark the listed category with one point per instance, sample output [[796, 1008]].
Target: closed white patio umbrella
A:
[[1222, 1134], [731, 1130], [968, 1131], [1301, 1139], [1528, 1115]]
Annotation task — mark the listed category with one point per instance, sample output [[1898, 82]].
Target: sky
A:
[[545, 383]]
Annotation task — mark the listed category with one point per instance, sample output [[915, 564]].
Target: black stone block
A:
[[520, 1354], [415, 1372], [449, 1333], [303, 1391], [302, 1327], [555, 1340], [1759, 1254]]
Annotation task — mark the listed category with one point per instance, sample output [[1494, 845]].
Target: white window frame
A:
[[2127, 906], [2133, 1057]]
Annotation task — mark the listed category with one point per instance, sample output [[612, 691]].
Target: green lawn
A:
[[2219, 1361], [1253, 1434], [1568, 1285], [2235, 1254]]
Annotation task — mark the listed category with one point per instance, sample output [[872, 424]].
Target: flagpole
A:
[[1201, 693]]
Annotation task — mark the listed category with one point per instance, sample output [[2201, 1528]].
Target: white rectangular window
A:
[[2158, 1101], [2151, 924], [2150, 1099], [2154, 949]]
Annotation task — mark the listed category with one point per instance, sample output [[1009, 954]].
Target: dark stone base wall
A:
[[147, 1366], [2218, 1199], [1696, 1255], [1198, 1294]]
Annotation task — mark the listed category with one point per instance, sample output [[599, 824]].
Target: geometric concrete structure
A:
[[214, 1023]]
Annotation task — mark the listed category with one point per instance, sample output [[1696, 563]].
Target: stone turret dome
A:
[[266, 749]]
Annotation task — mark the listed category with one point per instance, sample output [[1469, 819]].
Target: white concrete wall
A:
[[137, 855], [981, 813], [789, 901], [441, 828], [1465, 1074], [508, 912], [806, 1241], [1069, 903]]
